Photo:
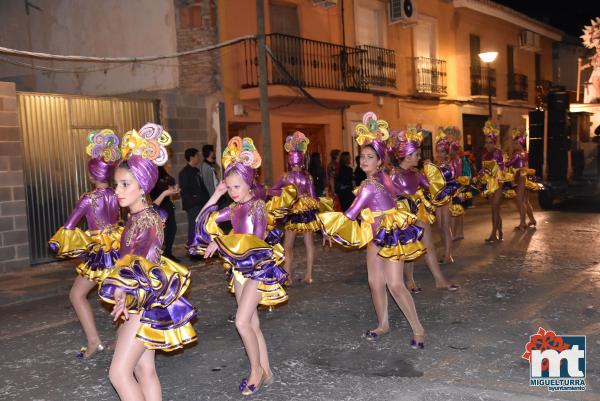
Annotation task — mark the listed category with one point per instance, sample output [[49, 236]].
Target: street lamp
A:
[[488, 58]]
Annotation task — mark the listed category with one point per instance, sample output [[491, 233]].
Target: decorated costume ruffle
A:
[[532, 182], [156, 292], [425, 209], [238, 255], [442, 185], [491, 178], [98, 248], [396, 234], [457, 205]]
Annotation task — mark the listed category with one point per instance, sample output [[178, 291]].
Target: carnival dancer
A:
[[145, 287], [492, 179], [252, 255], [524, 177], [99, 245], [412, 183], [387, 228], [457, 206], [302, 216], [443, 141]]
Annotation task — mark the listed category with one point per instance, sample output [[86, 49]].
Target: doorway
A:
[[473, 133], [286, 47]]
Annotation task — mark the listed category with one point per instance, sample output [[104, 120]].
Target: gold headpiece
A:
[[150, 143], [103, 145], [590, 33], [490, 129], [241, 151], [371, 129]]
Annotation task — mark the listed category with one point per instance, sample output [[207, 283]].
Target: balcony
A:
[[479, 81], [430, 77], [320, 65], [517, 87]]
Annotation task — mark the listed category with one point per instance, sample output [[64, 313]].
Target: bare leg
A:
[[255, 323], [443, 216], [378, 291], [78, 297], [310, 256], [128, 352], [145, 373], [247, 304], [392, 271], [431, 257], [288, 245], [521, 193], [497, 203], [457, 227], [529, 210], [409, 270]]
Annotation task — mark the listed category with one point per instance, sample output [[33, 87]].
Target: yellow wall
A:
[[397, 105]]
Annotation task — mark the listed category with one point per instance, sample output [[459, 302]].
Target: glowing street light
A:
[[488, 58]]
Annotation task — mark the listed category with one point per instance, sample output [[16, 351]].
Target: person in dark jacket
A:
[[359, 174], [194, 194], [343, 182], [316, 170], [161, 196]]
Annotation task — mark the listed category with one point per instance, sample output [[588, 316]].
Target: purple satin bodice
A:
[[143, 235], [99, 207], [409, 181], [377, 193], [299, 179], [457, 166], [495, 155], [246, 218], [519, 160]]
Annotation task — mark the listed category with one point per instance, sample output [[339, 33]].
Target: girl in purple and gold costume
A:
[[302, 216], [457, 208], [492, 178], [387, 228], [524, 179], [145, 287], [413, 184], [99, 245], [251, 253]]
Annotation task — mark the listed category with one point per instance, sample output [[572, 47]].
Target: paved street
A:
[[475, 337]]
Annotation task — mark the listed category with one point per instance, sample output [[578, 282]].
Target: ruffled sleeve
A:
[[442, 185], [279, 205], [207, 229]]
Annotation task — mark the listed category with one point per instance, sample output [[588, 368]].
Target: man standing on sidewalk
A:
[[193, 191], [209, 169]]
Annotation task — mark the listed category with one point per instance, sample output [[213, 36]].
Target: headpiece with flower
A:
[[240, 156], [143, 151], [491, 131], [591, 33], [403, 143], [296, 145], [519, 135], [149, 143], [103, 147], [372, 132]]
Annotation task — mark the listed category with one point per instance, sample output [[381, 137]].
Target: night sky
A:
[[569, 16]]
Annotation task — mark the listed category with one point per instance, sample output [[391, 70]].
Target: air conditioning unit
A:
[[325, 3], [529, 41], [403, 12]]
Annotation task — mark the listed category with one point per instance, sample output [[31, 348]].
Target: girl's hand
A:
[[210, 250], [221, 189], [119, 308]]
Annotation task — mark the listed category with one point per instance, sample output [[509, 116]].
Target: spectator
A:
[[193, 192], [161, 196], [209, 169], [343, 182], [332, 170], [315, 168], [359, 174]]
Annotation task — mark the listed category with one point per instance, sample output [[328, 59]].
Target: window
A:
[[371, 23], [425, 37]]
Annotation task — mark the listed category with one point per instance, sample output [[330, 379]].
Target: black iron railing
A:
[[379, 66], [314, 64], [517, 87], [430, 76], [479, 81]]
